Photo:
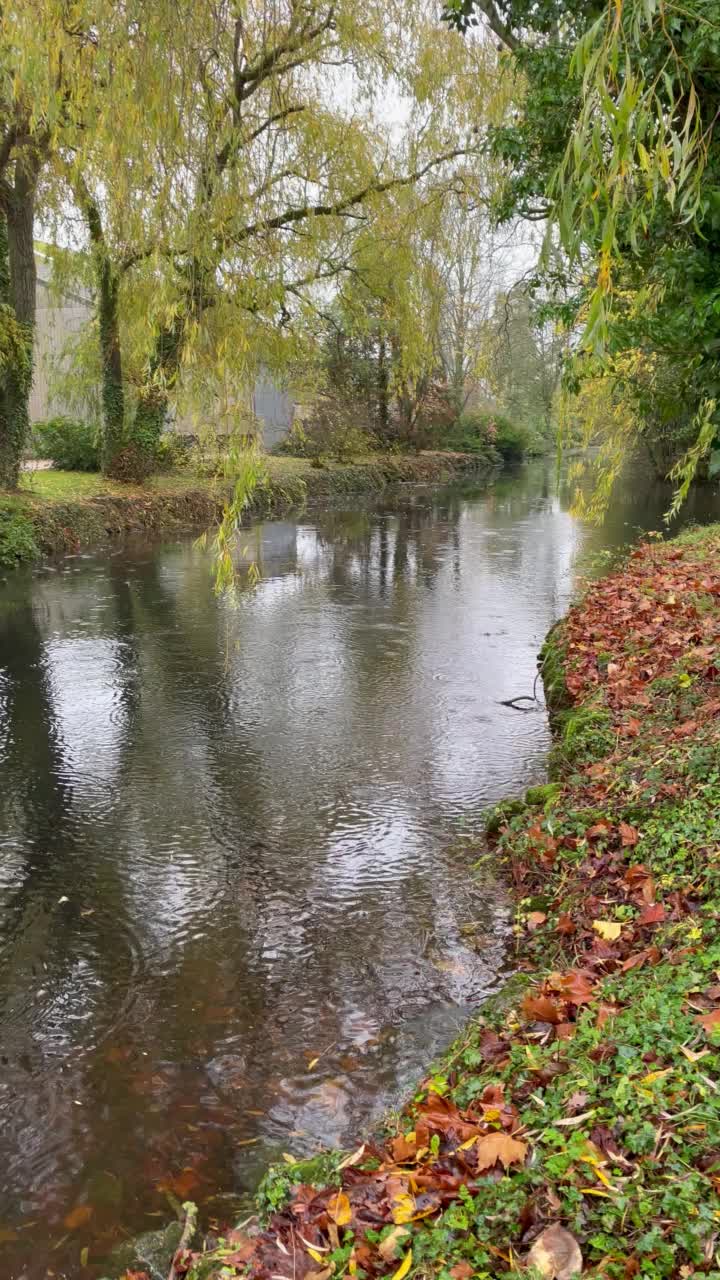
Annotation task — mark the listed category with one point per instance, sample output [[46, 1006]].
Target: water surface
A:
[[237, 915]]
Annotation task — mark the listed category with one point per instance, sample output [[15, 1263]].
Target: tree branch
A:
[[301, 212], [497, 25]]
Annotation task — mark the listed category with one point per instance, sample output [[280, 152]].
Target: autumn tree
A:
[[256, 147]]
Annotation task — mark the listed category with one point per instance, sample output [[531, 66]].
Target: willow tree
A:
[[255, 146], [617, 144], [43, 82]]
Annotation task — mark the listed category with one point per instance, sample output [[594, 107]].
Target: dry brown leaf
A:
[[499, 1146], [709, 1020], [556, 1254], [541, 1009]]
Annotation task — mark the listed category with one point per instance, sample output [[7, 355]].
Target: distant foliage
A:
[[492, 434], [332, 433], [71, 444]]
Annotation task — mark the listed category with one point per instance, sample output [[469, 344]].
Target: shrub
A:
[[72, 445], [491, 433], [512, 440], [331, 433], [132, 464], [174, 451], [17, 538]]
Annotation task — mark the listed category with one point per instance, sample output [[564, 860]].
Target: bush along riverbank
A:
[[59, 512], [575, 1125]]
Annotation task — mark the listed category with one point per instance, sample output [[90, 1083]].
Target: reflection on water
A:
[[232, 839]]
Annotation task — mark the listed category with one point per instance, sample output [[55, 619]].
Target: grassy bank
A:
[[61, 511], [576, 1123]]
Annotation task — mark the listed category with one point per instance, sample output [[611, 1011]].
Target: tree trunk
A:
[[383, 387], [113, 394], [108, 289], [18, 284]]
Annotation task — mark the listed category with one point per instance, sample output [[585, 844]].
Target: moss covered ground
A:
[[575, 1125]]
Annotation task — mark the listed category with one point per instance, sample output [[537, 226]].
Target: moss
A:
[[552, 663], [501, 813], [544, 795]]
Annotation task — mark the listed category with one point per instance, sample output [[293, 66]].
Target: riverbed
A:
[[238, 909]]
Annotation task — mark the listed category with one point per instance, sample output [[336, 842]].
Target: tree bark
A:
[[18, 283]]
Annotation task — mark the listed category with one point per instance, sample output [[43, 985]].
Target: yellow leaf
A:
[[312, 1063], [288, 1159], [609, 930], [655, 1075], [314, 1254], [465, 1146], [84, 1255], [403, 1207], [595, 1191], [339, 1209], [404, 1267]]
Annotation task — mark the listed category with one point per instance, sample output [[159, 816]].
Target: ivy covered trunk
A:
[[17, 325], [113, 397]]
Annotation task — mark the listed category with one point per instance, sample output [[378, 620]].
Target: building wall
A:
[[57, 322], [55, 325]]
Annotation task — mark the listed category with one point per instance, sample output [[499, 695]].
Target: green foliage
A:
[[329, 434], [18, 543], [618, 145], [490, 434], [70, 443], [131, 464], [276, 1187]]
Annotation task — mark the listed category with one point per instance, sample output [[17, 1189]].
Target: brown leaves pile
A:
[[418, 1174]]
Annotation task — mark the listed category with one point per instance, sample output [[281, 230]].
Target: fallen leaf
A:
[[629, 836], [312, 1063], [78, 1216], [556, 1254], [339, 1209], [541, 1009], [389, 1246], [403, 1207], [354, 1158], [709, 1020], [652, 914], [324, 1274], [404, 1267], [494, 1147], [462, 1271], [535, 919], [609, 930]]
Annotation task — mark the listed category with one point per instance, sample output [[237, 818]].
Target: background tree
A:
[[256, 149], [617, 144]]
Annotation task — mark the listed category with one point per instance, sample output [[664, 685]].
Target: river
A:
[[237, 910]]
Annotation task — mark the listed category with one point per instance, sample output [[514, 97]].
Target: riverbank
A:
[[576, 1123], [58, 512]]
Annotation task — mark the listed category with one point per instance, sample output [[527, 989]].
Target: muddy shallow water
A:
[[236, 911]]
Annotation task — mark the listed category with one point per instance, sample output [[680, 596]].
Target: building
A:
[[59, 319]]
